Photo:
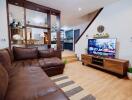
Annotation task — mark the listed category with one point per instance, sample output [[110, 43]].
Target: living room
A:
[[52, 51]]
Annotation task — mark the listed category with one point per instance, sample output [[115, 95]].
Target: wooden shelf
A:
[[34, 26], [38, 8]]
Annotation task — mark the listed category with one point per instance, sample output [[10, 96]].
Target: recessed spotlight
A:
[[79, 9]]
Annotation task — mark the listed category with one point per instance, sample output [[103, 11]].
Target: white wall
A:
[[117, 19], [3, 25], [88, 18]]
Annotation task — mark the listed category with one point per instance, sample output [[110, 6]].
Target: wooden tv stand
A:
[[115, 66]]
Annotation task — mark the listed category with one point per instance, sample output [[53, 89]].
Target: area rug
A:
[[71, 89]]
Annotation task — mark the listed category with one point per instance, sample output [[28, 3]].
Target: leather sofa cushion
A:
[[25, 53], [26, 63], [43, 62], [46, 53], [5, 59], [3, 82], [50, 62], [31, 83]]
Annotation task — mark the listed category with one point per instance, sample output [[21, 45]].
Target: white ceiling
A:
[[70, 15]]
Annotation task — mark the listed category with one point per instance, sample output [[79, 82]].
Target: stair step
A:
[[71, 56], [69, 60]]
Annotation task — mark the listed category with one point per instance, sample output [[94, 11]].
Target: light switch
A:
[[130, 39], [3, 40], [86, 35]]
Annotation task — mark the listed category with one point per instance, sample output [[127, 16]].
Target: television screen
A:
[[102, 47]]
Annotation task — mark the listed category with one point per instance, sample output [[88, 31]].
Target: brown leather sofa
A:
[[46, 59], [23, 77]]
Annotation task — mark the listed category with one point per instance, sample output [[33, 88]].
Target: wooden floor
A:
[[102, 85]]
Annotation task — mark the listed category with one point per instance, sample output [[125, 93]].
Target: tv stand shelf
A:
[[115, 66], [97, 61]]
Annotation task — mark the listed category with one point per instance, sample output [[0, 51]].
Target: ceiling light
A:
[[79, 9]]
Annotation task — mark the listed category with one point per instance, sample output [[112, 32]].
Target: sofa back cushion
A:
[[3, 82], [5, 59], [25, 53], [46, 53]]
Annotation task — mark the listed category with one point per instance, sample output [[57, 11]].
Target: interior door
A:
[[68, 42], [76, 36]]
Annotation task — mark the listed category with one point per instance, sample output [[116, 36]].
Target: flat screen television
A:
[[102, 47]]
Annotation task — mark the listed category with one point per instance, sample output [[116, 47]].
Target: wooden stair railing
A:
[[89, 24]]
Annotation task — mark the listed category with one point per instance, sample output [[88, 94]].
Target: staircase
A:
[[69, 56], [92, 20]]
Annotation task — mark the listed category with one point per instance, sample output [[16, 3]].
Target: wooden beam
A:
[[49, 30], [58, 33], [25, 29], [34, 26], [9, 35], [33, 6]]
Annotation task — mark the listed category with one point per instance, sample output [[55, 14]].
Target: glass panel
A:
[[36, 18], [54, 28], [16, 23], [36, 36], [53, 31], [16, 15]]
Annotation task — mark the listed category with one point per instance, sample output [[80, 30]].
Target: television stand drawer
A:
[[116, 65], [113, 66]]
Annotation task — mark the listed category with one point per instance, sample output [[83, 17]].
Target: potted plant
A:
[[86, 49], [129, 73], [65, 61]]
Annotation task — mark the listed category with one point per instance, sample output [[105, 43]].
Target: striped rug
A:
[[72, 90]]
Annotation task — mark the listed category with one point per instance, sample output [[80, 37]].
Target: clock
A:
[[100, 28]]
